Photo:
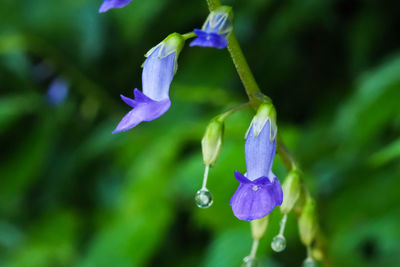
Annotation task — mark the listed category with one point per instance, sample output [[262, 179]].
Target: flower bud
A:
[[291, 191], [266, 112], [258, 227], [308, 222], [212, 141]]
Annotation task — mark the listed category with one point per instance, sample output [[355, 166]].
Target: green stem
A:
[[242, 67], [188, 35], [229, 112], [287, 157], [213, 4]]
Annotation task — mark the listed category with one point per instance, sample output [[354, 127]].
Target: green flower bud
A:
[[212, 141], [266, 112], [258, 227], [308, 222], [291, 191]]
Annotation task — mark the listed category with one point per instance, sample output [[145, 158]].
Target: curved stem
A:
[[188, 35], [229, 112], [242, 67]]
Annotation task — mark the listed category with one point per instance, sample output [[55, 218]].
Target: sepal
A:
[[266, 112], [291, 191], [212, 141]]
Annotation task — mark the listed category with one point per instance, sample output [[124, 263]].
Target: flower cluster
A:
[[259, 191]]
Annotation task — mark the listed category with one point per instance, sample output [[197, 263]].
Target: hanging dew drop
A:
[[249, 262], [203, 198], [309, 262], [278, 244]]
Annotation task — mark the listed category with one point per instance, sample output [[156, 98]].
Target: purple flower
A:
[[259, 190], [109, 4], [158, 70], [215, 30], [57, 92]]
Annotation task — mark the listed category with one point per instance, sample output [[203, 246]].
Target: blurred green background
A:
[[73, 194]]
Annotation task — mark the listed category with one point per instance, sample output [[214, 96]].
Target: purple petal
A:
[[129, 101], [109, 4], [241, 178], [255, 201], [205, 39], [259, 181], [144, 109], [157, 75], [259, 153]]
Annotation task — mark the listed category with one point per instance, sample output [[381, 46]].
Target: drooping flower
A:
[[158, 70], [109, 4], [259, 191], [215, 30]]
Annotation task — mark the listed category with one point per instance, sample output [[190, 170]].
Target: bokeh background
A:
[[73, 194]]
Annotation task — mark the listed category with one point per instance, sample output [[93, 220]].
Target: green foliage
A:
[[73, 194]]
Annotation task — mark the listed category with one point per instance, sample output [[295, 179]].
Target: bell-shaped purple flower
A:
[[109, 4], [215, 30], [259, 190], [158, 70]]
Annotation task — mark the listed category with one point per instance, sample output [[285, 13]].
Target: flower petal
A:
[[259, 153], [129, 101], [109, 4], [241, 178], [251, 202], [205, 39], [144, 110], [157, 75]]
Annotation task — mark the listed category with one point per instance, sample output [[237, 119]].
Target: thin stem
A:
[[188, 35], [229, 112], [254, 248], [309, 252], [240, 62], [242, 68], [283, 224], [213, 4], [287, 157], [204, 186]]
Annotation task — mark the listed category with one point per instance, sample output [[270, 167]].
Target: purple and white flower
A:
[[109, 4], [215, 30], [158, 71], [259, 191]]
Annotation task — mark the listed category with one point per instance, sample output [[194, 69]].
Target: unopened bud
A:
[[266, 112], [258, 227], [291, 191], [308, 222], [212, 141]]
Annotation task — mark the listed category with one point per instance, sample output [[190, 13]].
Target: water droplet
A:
[[278, 244], [203, 198], [249, 262], [309, 262]]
